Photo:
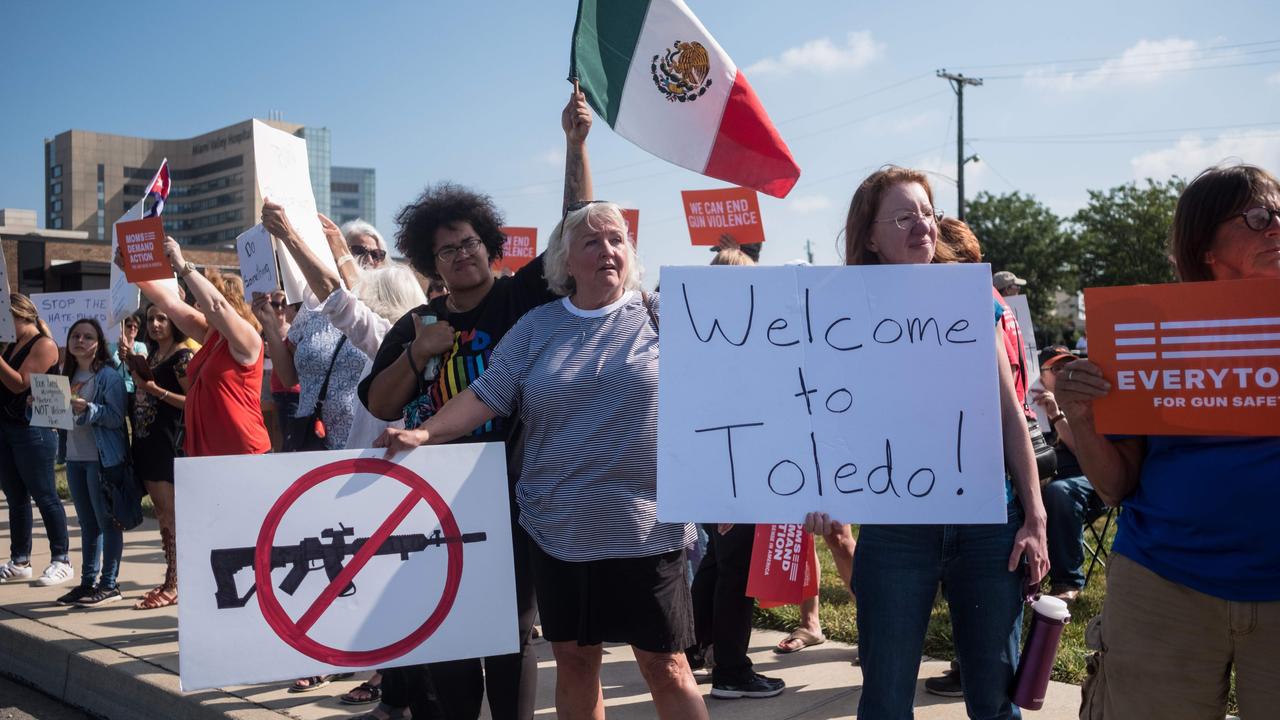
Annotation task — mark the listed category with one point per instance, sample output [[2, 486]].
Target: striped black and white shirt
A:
[[585, 383]]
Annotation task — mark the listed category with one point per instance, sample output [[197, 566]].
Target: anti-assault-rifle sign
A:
[[319, 562]]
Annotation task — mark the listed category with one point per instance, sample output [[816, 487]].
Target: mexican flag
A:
[[655, 74]]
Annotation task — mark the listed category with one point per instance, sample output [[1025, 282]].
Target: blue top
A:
[[105, 414], [113, 347], [1203, 515]]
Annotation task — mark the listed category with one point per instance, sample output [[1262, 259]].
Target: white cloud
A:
[[1192, 153], [823, 56], [1146, 62], [806, 204]]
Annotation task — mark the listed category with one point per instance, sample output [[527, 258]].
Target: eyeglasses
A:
[[471, 245], [907, 219], [1055, 369], [373, 254], [1259, 218]]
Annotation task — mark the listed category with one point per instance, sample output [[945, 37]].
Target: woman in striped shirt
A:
[[583, 373]]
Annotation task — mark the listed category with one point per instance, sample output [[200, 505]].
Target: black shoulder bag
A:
[[307, 433]]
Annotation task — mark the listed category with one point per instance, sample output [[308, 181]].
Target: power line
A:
[[1127, 71], [1240, 126], [1210, 48]]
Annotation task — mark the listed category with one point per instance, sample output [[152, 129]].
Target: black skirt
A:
[[642, 601]]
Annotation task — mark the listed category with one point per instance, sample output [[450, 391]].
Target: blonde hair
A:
[[390, 291], [594, 216], [232, 289], [732, 256], [21, 307]]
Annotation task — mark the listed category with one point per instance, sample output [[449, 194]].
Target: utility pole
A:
[[958, 81], [808, 250]]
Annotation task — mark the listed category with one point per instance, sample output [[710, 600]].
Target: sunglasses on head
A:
[[579, 204], [374, 254]]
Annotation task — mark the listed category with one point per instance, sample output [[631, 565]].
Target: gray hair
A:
[[390, 291], [555, 261], [359, 226]]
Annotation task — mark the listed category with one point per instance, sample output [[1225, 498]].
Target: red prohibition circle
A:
[[287, 629]]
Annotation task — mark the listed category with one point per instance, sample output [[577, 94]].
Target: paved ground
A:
[[19, 702], [122, 663]]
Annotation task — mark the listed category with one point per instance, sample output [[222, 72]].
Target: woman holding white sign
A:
[[983, 569], [583, 373], [97, 448], [26, 452], [1193, 585]]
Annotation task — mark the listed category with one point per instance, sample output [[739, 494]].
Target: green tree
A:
[[1124, 234], [1020, 234]]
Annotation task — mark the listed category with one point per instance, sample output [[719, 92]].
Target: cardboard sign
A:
[[732, 211], [142, 247], [280, 161], [51, 401], [633, 226], [8, 333], [868, 393], [781, 566], [520, 248], [1188, 358], [1030, 352], [61, 310], [257, 262], [302, 564]]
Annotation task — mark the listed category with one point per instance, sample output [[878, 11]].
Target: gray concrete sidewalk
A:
[[118, 662]]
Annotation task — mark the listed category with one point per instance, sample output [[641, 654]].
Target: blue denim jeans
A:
[[1069, 503], [97, 534], [897, 571], [26, 474]]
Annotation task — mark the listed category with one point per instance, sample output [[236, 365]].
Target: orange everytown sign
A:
[[519, 249], [1188, 358], [732, 211], [141, 242]]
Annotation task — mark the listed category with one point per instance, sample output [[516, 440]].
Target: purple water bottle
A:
[[1031, 681]]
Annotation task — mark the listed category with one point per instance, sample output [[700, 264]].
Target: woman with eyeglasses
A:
[[314, 354], [432, 355], [1193, 584], [159, 399], [982, 569]]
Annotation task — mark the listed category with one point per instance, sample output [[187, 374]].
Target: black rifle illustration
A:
[[226, 562]]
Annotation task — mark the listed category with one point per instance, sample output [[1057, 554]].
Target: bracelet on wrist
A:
[[345, 259], [1054, 420]]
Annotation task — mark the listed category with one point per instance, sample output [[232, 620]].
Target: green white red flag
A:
[[655, 74]]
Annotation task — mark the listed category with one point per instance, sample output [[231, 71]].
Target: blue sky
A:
[[1078, 96]]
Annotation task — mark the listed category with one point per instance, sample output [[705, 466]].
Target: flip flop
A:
[[800, 635], [315, 682], [373, 693]]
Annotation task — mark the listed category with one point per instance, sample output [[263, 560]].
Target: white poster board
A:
[[436, 581], [257, 262], [280, 160], [1030, 352], [51, 401], [869, 393], [8, 333], [61, 310], [125, 298]]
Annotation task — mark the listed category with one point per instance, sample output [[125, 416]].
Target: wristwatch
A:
[[187, 268], [1054, 420]]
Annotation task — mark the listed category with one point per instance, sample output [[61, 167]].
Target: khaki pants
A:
[[1167, 652]]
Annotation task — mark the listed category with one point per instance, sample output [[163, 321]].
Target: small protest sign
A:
[[257, 262], [141, 245], [868, 393], [781, 568], [341, 561], [1026, 332], [1188, 358], [8, 333], [62, 309], [731, 211], [519, 249], [51, 401], [125, 298], [633, 225], [281, 165]]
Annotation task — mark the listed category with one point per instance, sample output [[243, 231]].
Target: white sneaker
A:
[[11, 571], [57, 573]]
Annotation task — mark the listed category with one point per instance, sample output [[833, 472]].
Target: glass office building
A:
[[351, 194]]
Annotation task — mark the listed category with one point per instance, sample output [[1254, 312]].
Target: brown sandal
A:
[[157, 598]]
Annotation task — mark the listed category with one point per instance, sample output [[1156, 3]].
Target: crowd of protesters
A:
[[563, 355]]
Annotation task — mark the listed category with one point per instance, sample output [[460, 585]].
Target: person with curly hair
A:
[[454, 234]]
